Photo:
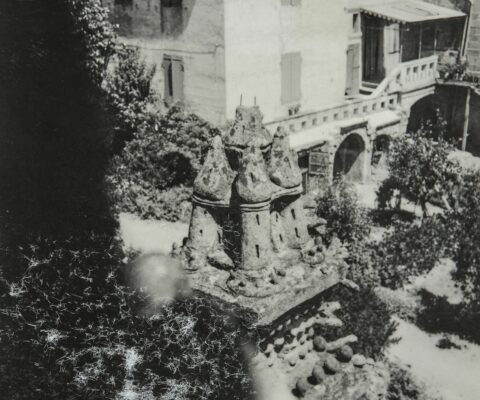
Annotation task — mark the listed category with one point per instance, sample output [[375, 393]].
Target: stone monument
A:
[[251, 248]]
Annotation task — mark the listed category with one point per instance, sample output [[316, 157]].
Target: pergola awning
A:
[[410, 11]]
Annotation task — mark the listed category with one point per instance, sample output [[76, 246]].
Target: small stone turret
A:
[[213, 184], [254, 190]]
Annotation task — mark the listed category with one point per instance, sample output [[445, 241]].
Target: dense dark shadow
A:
[[54, 136]]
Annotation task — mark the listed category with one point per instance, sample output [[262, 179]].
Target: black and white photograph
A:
[[240, 199]]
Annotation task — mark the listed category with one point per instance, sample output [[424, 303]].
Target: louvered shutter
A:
[[291, 77], [167, 78], [177, 73]]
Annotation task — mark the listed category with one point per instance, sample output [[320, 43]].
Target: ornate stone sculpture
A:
[[249, 248]]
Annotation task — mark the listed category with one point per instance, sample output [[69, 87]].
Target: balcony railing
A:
[[412, 75], [348, 110], [408, 76]]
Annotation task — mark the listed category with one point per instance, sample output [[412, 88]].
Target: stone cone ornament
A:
[[215, 178], [283, 166], [253, 184]]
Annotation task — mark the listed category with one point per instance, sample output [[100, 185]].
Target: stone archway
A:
[[349, 160], [422, 112]]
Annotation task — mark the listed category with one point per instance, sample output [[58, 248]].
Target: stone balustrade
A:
[[350, 109], [406, 77]]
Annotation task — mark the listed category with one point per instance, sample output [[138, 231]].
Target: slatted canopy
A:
[[410, 11]]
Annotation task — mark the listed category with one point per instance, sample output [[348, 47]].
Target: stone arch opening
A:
[[349, 159], [422, 113]]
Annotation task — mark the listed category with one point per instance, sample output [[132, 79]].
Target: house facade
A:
[[339, 75]]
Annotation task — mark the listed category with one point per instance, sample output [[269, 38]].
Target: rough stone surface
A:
[[331, 365], [247, 126], [302, 386], [253, 184], [318, 374], [283, 167], [319, 343], [345, 353], [366, 384], [215, 178]]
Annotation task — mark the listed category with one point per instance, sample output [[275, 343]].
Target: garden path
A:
[[151, 236], [450, 372]]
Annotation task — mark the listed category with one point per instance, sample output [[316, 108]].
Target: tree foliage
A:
[[154, 173], [54, 143], [420, 170], [364, 315], [130, 94], [338, 204], [466, 218]]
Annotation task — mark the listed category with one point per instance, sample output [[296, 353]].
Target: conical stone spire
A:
[[283, 166], [253, 184], [216, 177]]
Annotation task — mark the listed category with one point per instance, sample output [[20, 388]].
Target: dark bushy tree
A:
[[54, 142], [68, 321]]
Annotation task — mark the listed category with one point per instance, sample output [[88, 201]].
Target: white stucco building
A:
[[338, 74]]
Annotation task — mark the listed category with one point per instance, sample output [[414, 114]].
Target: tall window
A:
[[173, 71], [172, 16], [291, 77]]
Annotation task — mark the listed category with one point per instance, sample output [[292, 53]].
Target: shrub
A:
[[403, 386], [338, 205], [466, 218], [420, 170], [71, 329], [150, 203], [364, 315], [412, 249], [130, 94], [154, 173]]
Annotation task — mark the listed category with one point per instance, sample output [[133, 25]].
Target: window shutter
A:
[[291, 77], [167, 78], [177, 72]]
